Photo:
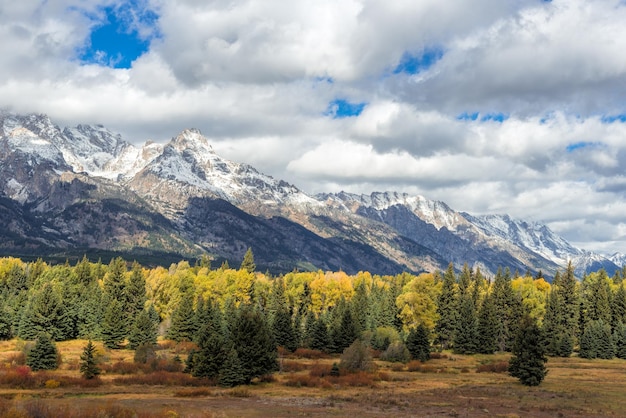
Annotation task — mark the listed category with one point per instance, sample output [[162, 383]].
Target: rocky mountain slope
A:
[[84, 189]]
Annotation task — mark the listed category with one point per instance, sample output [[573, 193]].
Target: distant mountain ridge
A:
[[85, 189]]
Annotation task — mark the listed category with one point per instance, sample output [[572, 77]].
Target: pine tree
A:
[[83, 271], [281, 324], [360, 306], [142, 331], [487, 327], [619, 337], [283, 331], [211, 354], [43, 356], [343, 333], [6, 319], [45, 312], [115, 280], [570, 300], [90, 311], [529, 356], [135, 293], [183, 327], [248, 262], [113, 325], [447, 310], [618, 306], [506, 306], [598, 298], [88, 365], [466, 334], [231, 373], [253, 341], [552, 323], [597, 341], [418, 343], [309, 327]]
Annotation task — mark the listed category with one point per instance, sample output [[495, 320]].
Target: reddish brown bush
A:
[[418, 366], [397, 367], [18, 377], [498, 367], [383, 376], [320, 370], [438, 356], [164, 365], [17, 358], [307, 381], [358, 379], [289, 366], [267, 378], [120, 367], [185, 347], [308, 353]]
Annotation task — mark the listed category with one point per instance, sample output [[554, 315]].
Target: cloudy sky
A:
[[491, 106]]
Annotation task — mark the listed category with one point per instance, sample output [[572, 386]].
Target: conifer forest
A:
[[239, 326]]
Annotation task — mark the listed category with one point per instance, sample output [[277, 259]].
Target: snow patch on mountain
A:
[[433, 212], [189, 160], [533, 236]]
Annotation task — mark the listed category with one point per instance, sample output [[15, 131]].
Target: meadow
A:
[[447, 385]]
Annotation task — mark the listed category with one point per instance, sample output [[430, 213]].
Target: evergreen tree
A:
[[344, 334], [83, 271], [309, 327], [248, 262], [552, 322], [281, 324], [43, 356], [570, 301], [211, 354], [418, 343], [506, 306], [142, 332], [465, 280], [135, 292], [283, 330], [619, 337], [115, 280], [231, 373], [597, 341], [6, 319], [487, 327], [88, 365], [183, 327], [466, 335], [618, 306], [360, 306], [598, 297], [45, 312], [529, 356], [447, 309], [253, 341], [90, 311], [113, 325]]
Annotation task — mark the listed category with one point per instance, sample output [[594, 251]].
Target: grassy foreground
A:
[[453, 385]]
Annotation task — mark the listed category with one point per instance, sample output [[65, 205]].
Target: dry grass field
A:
[[453, 385]]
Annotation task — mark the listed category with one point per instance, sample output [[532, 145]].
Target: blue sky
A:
[[115, 40], [487, 105]]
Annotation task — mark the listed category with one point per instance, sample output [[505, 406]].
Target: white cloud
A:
[[257, 76]]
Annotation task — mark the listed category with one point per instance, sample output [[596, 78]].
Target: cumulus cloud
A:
[[506, 107]]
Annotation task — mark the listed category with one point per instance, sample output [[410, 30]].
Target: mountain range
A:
[[85, 190]]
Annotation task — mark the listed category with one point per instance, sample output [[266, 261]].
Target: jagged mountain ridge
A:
[[86, 188]]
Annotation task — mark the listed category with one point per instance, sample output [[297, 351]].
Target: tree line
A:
[[238, 317]]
